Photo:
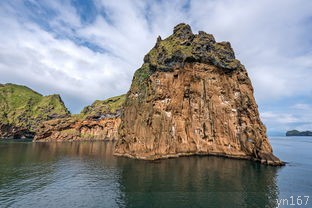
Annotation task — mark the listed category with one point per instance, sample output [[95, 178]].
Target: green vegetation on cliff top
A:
[[100, 107], [21, 106], [183, 47]]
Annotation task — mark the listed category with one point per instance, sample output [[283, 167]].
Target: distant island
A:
[[298, 133]]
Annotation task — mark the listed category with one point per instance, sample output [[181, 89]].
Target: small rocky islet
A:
[[298, 133], [191, 96]]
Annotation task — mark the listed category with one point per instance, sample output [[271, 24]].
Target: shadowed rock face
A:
[[191, 96]]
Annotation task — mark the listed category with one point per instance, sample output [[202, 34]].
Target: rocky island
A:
[[298, 133], [192, 96]]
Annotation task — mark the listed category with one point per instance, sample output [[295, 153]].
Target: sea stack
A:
[[192, 96]]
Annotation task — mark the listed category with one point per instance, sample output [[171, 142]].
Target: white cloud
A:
[[269, 37], [282, 118], [32, 56], [303, 106], [298, 116]]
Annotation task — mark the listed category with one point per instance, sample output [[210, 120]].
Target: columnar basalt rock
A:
[[192, 97]]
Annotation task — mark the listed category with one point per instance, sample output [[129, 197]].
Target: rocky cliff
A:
[[22, 110], [192, 96], [99, 121]]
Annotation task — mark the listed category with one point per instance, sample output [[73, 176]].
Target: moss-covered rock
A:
[[22, 110], [180, 48], [110, 107], [183, 46]]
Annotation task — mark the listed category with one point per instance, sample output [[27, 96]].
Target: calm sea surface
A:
[[87, 175]]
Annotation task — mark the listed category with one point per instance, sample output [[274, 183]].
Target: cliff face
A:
[[99, 121], [191, 96], [22, 110], [75, 129]]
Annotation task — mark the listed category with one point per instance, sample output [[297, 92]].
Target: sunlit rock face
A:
[[191, 96], [99, 121], [72, 129]]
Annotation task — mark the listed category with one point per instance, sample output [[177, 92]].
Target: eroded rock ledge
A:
[[192, 97], [73, 129], [99, 121]]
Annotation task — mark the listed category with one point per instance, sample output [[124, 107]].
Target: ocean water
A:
[[86, 174]]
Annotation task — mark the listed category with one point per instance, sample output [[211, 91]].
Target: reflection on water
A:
[[58, 175], [87, 175], [198, 182]]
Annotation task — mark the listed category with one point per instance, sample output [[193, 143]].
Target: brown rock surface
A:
[[99, 121], [71, 129], [192, 97]]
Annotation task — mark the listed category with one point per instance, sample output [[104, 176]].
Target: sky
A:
[[86, 50]]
